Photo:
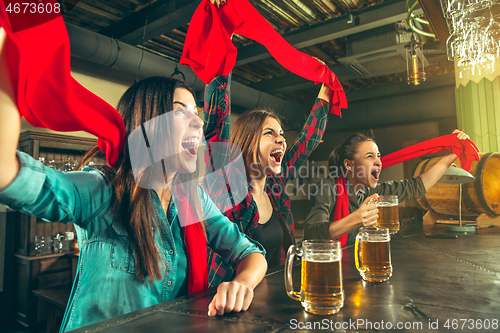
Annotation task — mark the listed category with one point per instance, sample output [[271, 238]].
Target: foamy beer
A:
[[321, 288], [388, 213], [373, 254]]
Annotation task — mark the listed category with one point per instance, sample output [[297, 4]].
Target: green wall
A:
[[478, 112]]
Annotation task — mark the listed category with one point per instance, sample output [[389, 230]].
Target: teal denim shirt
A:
[[105, 285]]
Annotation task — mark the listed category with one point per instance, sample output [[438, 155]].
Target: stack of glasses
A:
[[474, 35]]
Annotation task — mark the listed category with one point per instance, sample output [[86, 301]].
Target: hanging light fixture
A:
[[415, 62]]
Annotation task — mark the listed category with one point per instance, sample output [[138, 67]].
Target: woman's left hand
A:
[[460, 134], [231, 296]]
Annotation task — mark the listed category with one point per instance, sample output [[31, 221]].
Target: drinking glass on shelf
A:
[[41, 246], [69, 236], [68, 166], [52, 164], [58, 243], [49, 243], [38, 245], [42, 160]]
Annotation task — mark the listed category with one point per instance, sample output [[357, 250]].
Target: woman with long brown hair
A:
[[250, 165], [143, 226], [251, 191]]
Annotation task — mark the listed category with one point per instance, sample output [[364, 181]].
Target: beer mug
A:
[[321, 289], [388, 213], [372, 253]]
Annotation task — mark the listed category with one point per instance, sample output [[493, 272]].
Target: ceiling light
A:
[[414, 62]]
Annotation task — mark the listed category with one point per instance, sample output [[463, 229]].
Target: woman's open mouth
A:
[[375, 174], [276, 156], [190, 146]]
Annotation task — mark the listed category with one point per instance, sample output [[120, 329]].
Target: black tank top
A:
[[270, 236]]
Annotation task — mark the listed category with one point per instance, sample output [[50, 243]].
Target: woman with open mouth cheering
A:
[[257, 201], [355, 168]]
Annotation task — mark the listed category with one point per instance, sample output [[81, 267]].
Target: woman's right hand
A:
[[218, 3], [368, 212], [325, 91]]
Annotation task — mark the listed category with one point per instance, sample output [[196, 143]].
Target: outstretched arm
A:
[[431, 176], [217, 117], [10, 123], [237, 295]]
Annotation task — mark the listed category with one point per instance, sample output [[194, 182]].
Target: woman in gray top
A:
[[358, 160]]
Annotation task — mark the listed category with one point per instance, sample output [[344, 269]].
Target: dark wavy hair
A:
[[143, 101], [347, 150]]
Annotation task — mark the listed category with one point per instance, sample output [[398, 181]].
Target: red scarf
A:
[[341, 205], [46, 94], [466, 151], [196, 244], [209, 51]]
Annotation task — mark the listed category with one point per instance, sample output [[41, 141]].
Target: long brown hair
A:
[[246, 134], [143, 101]]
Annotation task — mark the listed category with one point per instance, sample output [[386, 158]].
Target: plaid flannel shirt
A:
[[234, 180]]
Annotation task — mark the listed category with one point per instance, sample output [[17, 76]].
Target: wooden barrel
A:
[[479, 196]]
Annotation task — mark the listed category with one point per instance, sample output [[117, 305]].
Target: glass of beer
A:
[[388, 213], [373, 254], [321, 288]]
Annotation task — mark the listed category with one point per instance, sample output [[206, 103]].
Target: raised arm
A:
[[431, 176], [310, 136], [10, 123], [217, 127]]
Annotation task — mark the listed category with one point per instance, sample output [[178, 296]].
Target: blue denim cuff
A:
[[257, 248], [26, 187]]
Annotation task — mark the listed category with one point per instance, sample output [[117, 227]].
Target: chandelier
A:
[[474, 39]]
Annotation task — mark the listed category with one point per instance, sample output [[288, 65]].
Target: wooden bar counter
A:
[[438, 285]]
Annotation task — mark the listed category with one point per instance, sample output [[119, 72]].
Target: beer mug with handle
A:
[[321, 289], [388, 211], [372, 253]]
